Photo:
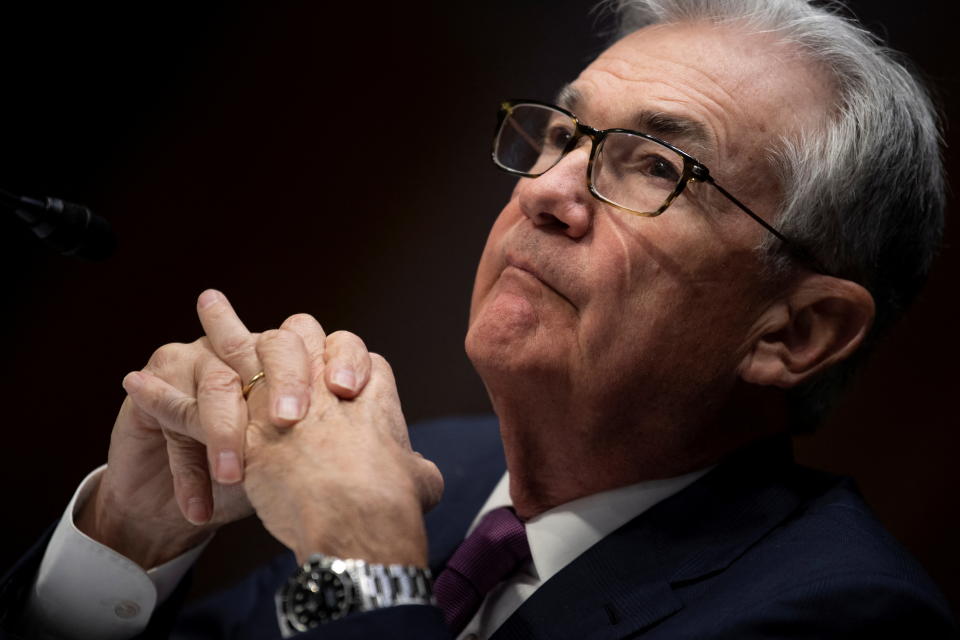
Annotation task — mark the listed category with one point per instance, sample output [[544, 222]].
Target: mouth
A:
[[523, 265]]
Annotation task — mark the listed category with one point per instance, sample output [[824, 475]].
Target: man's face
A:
[[608, 305]]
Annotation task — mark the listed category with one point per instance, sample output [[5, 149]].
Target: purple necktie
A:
[[495, 549]]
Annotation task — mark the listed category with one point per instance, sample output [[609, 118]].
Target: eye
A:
[[658, 167], [557, 136]]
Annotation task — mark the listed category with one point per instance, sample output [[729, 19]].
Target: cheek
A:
[[486, 275], [481, 285], [665, 317], [491, 260], [701, 328]]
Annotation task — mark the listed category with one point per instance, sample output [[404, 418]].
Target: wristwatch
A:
[[325, 589]]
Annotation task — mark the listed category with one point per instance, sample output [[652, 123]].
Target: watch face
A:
[[317, 596]]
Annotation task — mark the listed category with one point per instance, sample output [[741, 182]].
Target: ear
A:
[[820, 321]]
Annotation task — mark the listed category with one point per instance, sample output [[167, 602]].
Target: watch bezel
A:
[[305, 602]]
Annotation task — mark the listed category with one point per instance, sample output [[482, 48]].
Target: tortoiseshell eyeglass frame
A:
[[693, 171]]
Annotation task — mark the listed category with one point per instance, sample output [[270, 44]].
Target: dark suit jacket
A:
[[757, 548]]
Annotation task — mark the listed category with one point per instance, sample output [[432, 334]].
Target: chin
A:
[[490, 347], [504, 321], [506, 358]]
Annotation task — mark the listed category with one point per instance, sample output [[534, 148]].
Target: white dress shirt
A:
[[85, 590], [558, 536]]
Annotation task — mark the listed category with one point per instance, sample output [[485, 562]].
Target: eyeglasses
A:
[[633, 171]]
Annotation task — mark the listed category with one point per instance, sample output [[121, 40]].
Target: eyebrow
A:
[[693, 136]]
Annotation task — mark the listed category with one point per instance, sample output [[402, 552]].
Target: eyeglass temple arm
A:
[[800, 252]]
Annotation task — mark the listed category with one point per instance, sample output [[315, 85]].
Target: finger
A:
[[429, 482], [176, 413], [223, 419], [381, 390], [314, 338], [286, 366], [173, 410], [346, 364], [174, 363], [228, 336], [191, 481], [381, 374]]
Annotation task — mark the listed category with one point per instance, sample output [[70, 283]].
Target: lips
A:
[[523, 264]]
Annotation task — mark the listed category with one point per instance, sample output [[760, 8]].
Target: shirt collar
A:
[[556, 537]]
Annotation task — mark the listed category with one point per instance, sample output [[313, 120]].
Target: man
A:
[[698, 227]]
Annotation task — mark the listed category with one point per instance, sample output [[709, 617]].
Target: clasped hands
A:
[[319, 450]]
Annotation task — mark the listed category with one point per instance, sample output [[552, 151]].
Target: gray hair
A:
[[864, 192]]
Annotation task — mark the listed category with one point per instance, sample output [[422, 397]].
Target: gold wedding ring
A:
[[253, 382]]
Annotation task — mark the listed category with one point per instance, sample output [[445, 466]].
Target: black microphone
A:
[[70, 229]]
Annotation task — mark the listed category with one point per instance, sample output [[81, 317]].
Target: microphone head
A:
[[73, 230], [93, 241]]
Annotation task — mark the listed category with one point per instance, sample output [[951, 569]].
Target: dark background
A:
[[307, 158]]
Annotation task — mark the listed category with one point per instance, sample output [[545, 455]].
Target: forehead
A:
[[719, 87], [689, 133]]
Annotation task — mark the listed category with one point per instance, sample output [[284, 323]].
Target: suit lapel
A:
[[629, 581]]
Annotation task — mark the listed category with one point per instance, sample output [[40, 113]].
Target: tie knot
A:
[[496, 548]]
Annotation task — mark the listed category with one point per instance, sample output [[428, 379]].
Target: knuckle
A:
[[166, 356], [174, 413], [179, 410], [235, 346], [380, 363], [346, 341], [189, 476], [218, 381], [268, 336], [287, 336], [180, 448], [276, 343], [303, 320], [186, 472], [431, 483], [288, 380], [342, 335], [219, 431]]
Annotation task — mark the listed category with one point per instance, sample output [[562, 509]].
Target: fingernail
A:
[[207, 298], [197, 511], [288, 408], [132, 382], [346, 379], [228, 467]]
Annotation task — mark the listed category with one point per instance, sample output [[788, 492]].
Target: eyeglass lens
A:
[[629, 170]]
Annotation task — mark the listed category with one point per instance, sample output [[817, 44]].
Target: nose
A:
[[560, 199]]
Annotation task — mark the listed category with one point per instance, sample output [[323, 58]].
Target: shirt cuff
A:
[[85, 589]]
